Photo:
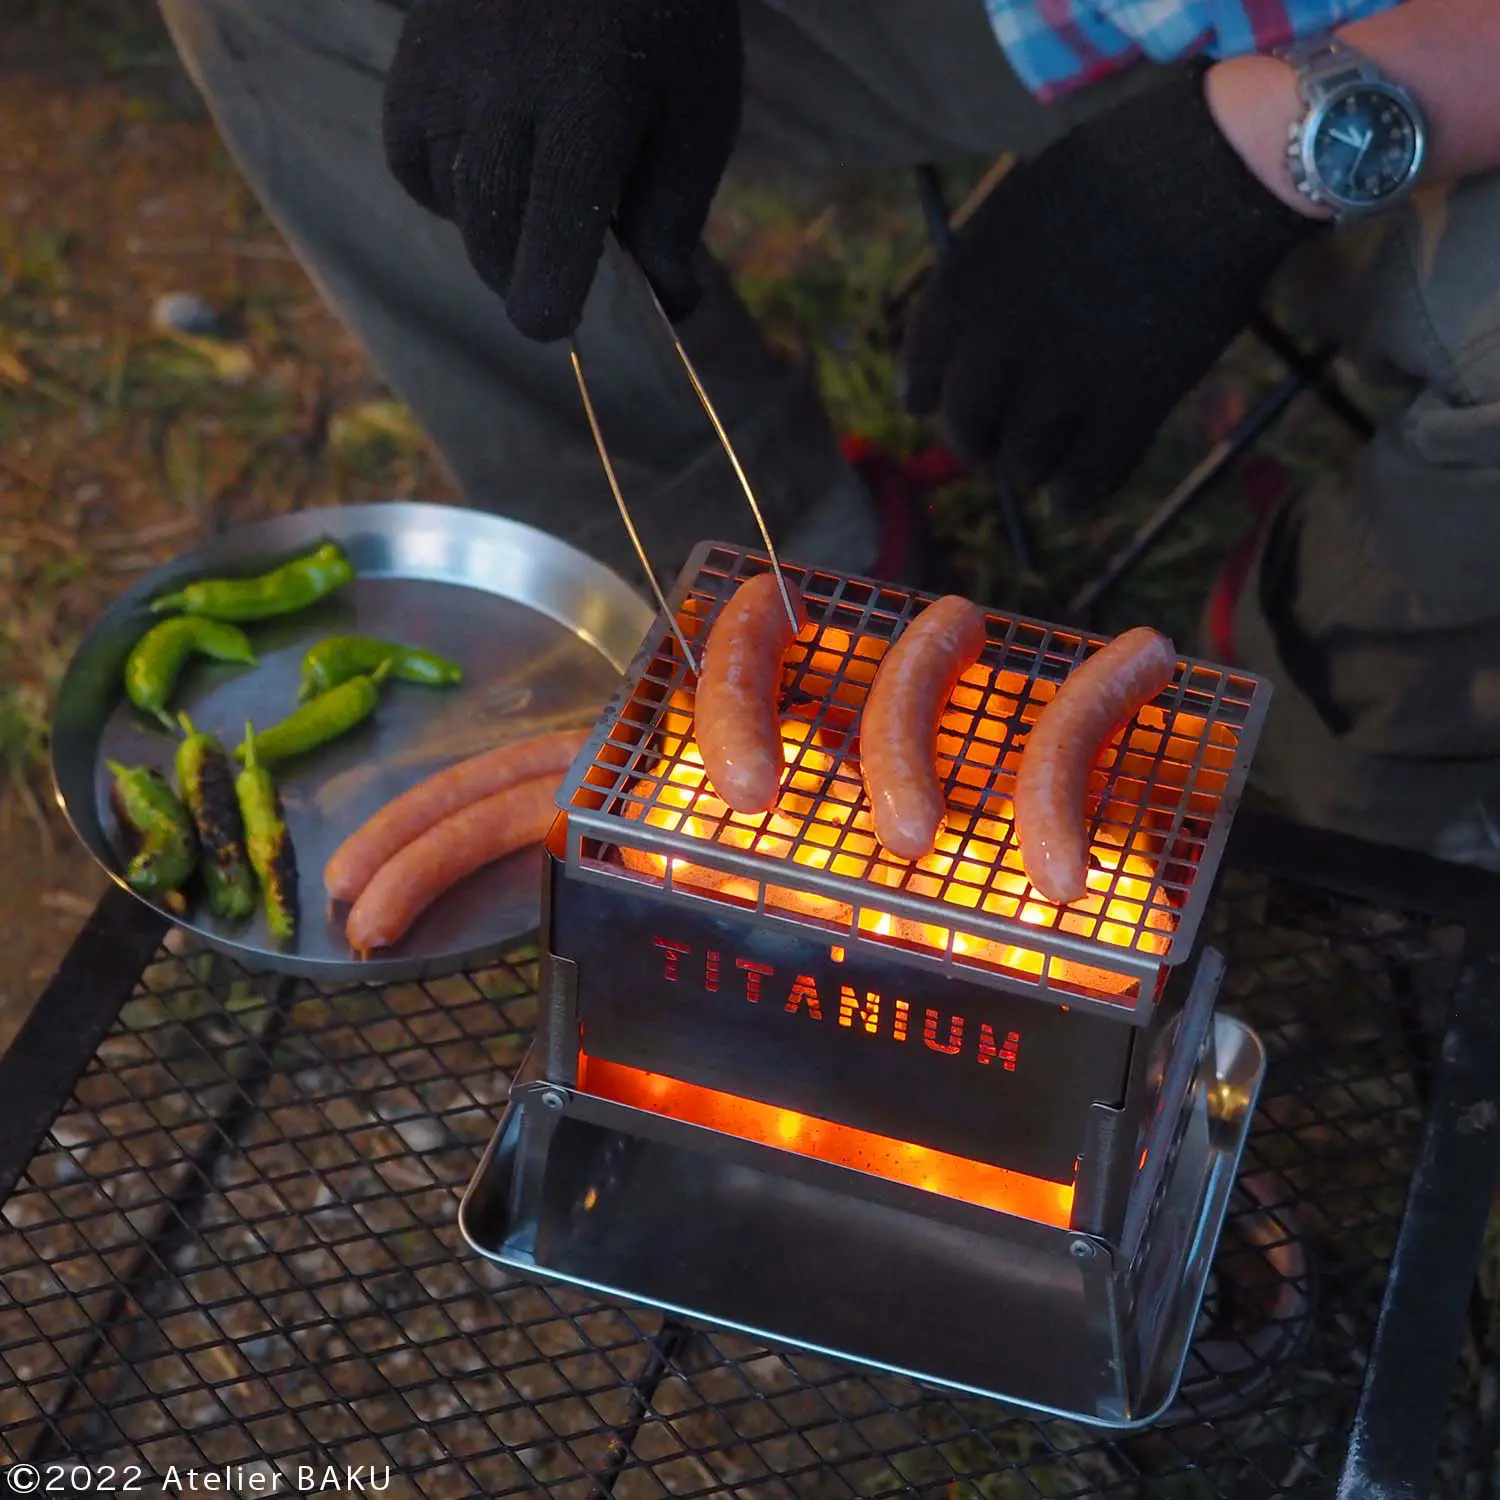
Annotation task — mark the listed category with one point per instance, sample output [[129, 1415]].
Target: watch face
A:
[[1364, 147]]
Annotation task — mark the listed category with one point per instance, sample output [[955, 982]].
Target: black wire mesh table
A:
[[230, 1242]]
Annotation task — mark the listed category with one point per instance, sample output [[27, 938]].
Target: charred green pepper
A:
[[325, 718], [340, 657], [282, 591], [271, 854], [157, 825], [205, 783], [157, 659]]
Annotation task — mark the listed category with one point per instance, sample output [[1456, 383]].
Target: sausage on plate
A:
[[435, 861], [353, 864]]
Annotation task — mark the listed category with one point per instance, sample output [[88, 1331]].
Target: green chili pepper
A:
[[206, 785], [340, 657], [292, 586], [326, 717], [157, 659], [165, 846], [271, 854]]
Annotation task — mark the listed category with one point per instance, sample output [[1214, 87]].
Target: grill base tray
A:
[[625, 1204]]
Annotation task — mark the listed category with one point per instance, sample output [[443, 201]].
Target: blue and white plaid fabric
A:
[[1057, 46]]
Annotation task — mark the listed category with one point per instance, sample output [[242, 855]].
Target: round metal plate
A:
[[542, 631]]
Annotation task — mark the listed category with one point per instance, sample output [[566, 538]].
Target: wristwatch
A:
[[1360, 145]]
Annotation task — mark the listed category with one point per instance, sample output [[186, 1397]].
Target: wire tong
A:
[[724, 442]]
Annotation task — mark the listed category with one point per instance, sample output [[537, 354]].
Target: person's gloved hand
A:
[[531, 124], [1092, 290]]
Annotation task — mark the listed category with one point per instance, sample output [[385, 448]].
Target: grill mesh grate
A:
[[238, 1246], [1165, 794]]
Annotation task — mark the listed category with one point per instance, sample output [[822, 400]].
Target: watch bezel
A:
[[1310, 180]]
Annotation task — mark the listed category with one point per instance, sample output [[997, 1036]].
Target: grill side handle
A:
[[556, 1042], [1114, 1189]]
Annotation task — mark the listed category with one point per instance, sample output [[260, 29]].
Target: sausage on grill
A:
[[899, 726], [737, 708], [1094, 702]]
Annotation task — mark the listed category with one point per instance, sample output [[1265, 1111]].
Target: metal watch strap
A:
[[1324, 64]]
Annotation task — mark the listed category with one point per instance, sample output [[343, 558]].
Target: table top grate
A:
[[237, 1246]]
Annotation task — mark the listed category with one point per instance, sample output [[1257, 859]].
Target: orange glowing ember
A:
[[900, 1161], [821, 821]]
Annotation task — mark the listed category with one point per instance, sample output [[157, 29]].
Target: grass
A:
[[22, 728], [116, 39]]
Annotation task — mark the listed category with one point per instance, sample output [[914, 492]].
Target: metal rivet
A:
[[1082, 1250], [554, 1099]]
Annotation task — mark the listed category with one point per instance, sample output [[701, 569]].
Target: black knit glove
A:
[[534, 123], [1092, 290]]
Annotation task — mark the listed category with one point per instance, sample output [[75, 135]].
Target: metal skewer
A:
[[721, 432], [614, 487]]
